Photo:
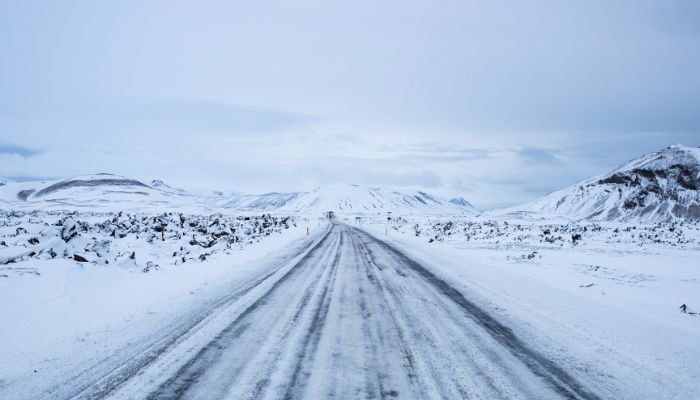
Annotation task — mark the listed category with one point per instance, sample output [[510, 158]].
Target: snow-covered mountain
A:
[[97, 192], [350, 199], [460, 201], [107, 192], [264, 202], [658, 186], [158, 184]]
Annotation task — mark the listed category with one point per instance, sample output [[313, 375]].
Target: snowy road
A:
[[352, 318]]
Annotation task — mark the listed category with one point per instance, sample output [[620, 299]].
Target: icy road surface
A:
[[352, 318]]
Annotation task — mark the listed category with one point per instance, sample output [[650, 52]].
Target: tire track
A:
[[190, 372], [110, 381], [413, 336], [409, 359], [375, 375], [282, 342], [309, 346], [558, 379]]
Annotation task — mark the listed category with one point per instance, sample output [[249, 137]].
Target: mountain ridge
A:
[[662, 185], [105, 191], [350, 199]]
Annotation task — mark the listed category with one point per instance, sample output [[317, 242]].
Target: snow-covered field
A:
[[606, 301], [144, 276], [599, 298]]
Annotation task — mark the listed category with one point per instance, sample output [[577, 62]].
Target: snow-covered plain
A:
[[144, 277]]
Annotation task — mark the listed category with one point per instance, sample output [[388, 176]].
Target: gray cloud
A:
[[154, 115], [443, 154], [612, 150], [370, 171], [18, 150], [536, 155]]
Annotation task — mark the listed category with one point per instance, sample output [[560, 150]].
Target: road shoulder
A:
[[602, 341]]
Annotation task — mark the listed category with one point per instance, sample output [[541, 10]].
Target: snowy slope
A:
[[350, 199], [461, 202], [658, 186], [263, 202], [105, 192], [162, 186]]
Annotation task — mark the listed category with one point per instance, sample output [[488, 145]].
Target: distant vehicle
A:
[[329, 214]]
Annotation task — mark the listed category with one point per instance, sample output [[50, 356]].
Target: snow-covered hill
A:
[[350, 199], [264, 202], [658, 186], [100, 192], [461, 202], [160, 185], [107, 192]]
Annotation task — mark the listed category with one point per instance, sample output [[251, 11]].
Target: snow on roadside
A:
[[60, 316], [603, 303], [143, 241]]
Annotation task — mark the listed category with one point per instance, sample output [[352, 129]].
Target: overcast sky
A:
[[496, 101]]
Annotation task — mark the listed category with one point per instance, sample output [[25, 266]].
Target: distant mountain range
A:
[[351, 199], [99, 192], [659, 186], [107, 192]]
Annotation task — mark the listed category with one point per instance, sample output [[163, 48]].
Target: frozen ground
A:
[[606, 306]]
